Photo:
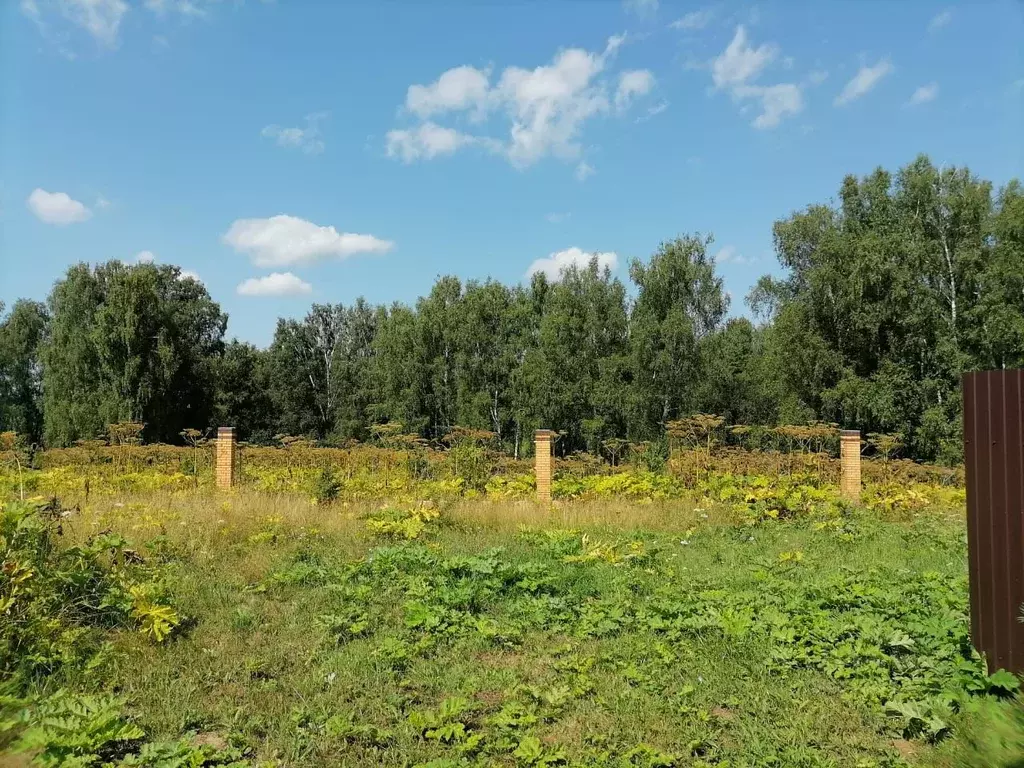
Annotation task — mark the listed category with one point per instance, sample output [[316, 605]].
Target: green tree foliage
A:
[[21, 334], [243, 394], [129, 343], [891, 294], [884, 298], [488, 343], [679, 305]]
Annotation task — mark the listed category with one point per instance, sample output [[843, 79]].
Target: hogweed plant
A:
[[14, 449]]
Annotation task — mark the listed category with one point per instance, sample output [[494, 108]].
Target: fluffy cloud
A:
[[862, 82], [286, 240], [548, 105], [653, 111], [56, 207], [739, 62], [557, 218], [431, 140], [145, 257], [101, 19], [694, 19], [274, 284], [641, 7], [457, 89], [545, 107], [188, 274], [584, 171], [924, 94], [729, 255], [635, 82], [187, 8], [777, 101], [737, 68], [940, 20], [307, 139], [556, 263]]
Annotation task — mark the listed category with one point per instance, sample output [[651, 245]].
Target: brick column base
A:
[[542, 463], [849, 455], [226, 469]]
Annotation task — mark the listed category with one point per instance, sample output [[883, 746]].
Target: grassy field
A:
[[746, 623]]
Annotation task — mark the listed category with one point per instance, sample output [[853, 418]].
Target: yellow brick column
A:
[[849, 456], [227, 454], [542, 463]]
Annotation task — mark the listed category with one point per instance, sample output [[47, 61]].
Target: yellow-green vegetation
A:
[[365, 472], [378, 609]]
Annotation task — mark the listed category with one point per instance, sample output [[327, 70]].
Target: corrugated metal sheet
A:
[[994, 459]]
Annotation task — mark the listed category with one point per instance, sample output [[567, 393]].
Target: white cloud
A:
[[865, 79], [641, 7], [556, 263], [549, 104], [145, 257], [557, 218], [186, 8], [584, 171], [188, 274], [940, 20], [635, 82], [739, 62], [777, 101], [545, 107], [613, 44], [459, 88], [56, 207], [101, 19], [654, 111], [101, 203], [430, 140], [729, 255], [307, 139], [739, 65], [817, 77], [274, 284], [286, 240], [924, 94], [694, 19]]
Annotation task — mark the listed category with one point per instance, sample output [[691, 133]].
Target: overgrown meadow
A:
[[406, 606]]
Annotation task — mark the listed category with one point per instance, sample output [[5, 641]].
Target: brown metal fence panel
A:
[[994, 463]]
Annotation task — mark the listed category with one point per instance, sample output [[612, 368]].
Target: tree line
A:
[[887, 295]]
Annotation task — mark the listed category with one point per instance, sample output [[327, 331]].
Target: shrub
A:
[[55, 599], [327, 486]]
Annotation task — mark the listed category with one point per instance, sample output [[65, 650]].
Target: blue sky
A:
[[305, 151]]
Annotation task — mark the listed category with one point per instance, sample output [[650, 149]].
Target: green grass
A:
[[599, 633], [778, 644]]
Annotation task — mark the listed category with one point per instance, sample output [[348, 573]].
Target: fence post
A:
[[227, 455], [542, 463], [849, 456], [994, 472]]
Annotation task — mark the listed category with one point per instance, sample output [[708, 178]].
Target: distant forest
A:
[[888, 294]]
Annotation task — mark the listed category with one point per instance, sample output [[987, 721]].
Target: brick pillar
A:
[[849, 455], [227, 455], [542, 463]]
